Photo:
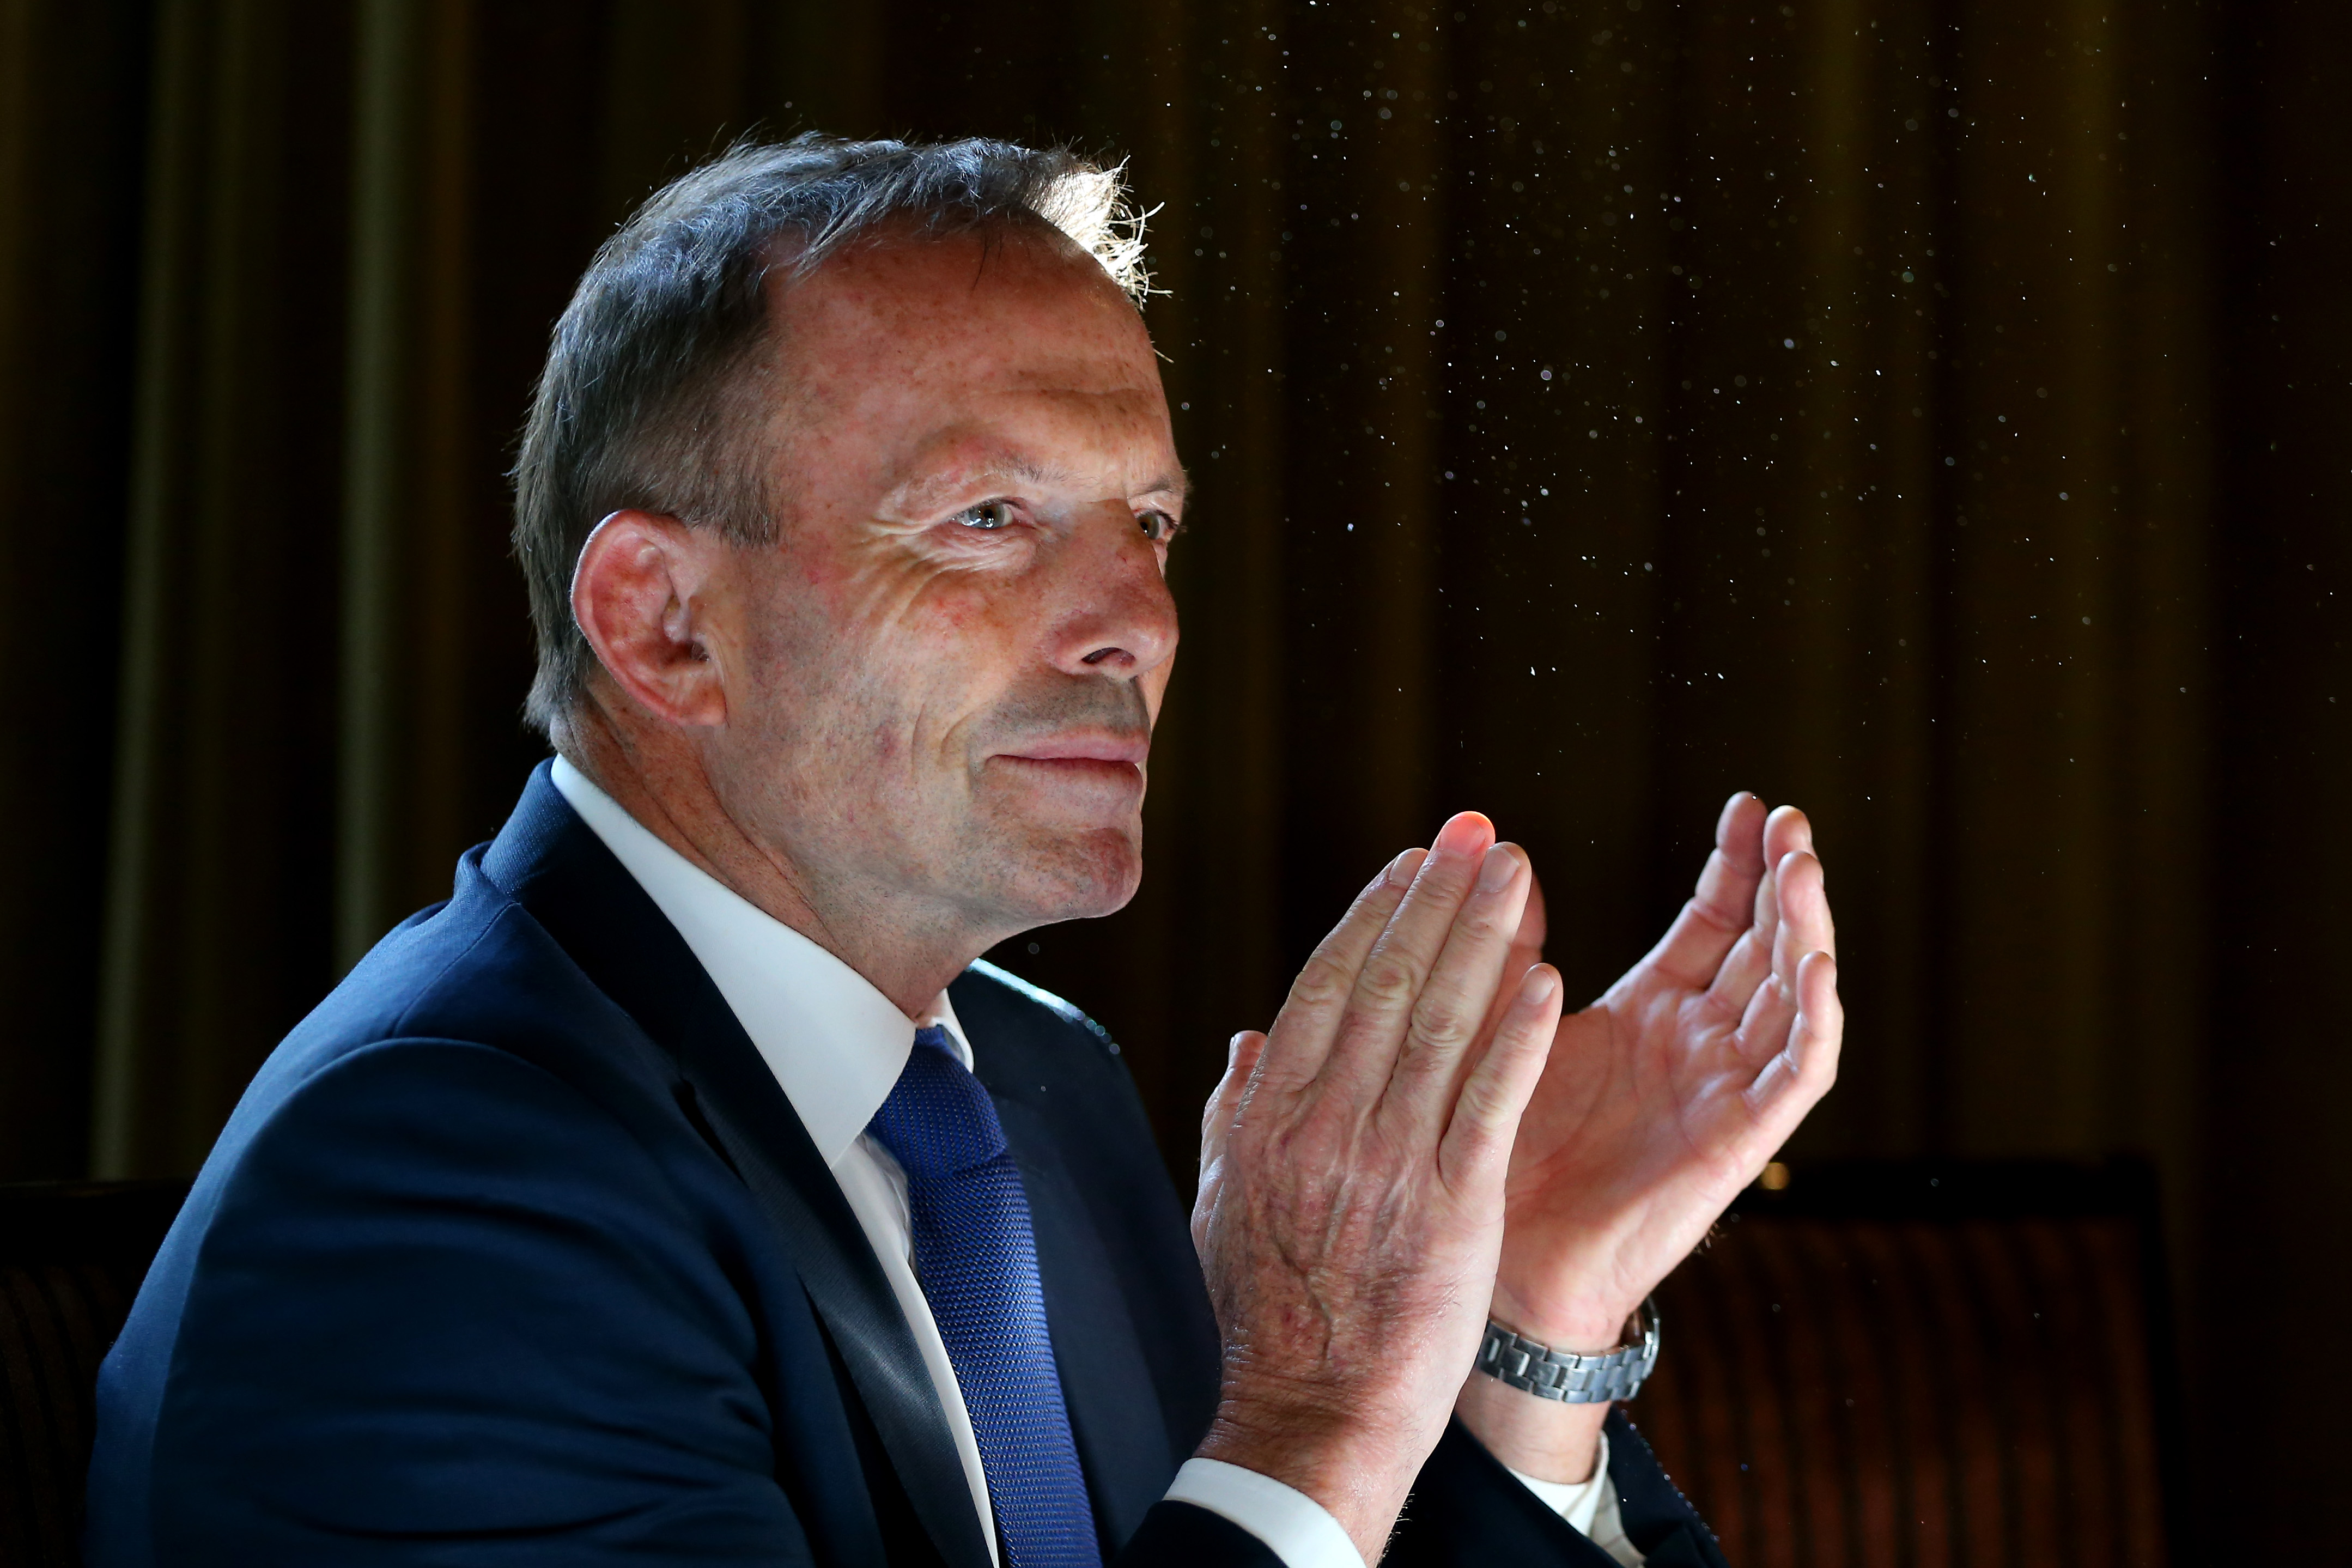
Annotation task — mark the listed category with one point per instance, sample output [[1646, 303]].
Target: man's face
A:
[[952, 657]]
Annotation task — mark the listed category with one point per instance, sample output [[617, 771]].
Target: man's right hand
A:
[[1352, 1181]]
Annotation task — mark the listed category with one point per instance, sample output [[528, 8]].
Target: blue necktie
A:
[[977, 1259]]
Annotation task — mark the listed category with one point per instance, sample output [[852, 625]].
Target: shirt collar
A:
[[834, 1043]]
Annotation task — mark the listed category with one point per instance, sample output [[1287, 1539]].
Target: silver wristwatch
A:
[[1599, 1378]]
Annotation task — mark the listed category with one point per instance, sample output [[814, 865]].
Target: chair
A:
[[1933, 1366], [71, 1256]]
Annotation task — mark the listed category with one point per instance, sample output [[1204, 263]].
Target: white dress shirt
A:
[[837, 1046], [1589, 1505]]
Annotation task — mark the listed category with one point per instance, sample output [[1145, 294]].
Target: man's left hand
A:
[[1659, 1103], [1668, 1095]]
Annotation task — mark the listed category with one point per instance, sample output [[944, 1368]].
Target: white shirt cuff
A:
[[1294, 1526]]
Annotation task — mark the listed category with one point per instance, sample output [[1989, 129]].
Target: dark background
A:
[[1945, 428]]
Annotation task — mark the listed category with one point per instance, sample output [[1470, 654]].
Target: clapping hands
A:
[[1422, 1139]]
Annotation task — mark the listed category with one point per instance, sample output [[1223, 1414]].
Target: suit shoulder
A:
[[988, 996], [477, 969], [478, 974]]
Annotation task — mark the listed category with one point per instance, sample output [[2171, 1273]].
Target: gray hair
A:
[[649, 398]]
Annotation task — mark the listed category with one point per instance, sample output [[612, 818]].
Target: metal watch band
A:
[[1600, 1378]]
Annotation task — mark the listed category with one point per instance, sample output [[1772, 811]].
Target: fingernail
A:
[[1401, 870], [1495, 872], [1461, 832], [1542, 982]]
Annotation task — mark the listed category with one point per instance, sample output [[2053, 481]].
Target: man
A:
[[682, 1190]]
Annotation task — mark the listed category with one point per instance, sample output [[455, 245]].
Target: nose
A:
[[1118, 617]]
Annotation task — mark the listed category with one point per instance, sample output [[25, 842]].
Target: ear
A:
[[637, 596]]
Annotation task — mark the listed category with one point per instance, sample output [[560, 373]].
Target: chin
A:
[[1074, 877]]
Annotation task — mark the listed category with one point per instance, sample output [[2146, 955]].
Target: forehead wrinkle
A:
[[956, 460], [999, 463], [888, 341]]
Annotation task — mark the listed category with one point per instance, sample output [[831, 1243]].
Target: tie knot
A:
[[938, 1120]]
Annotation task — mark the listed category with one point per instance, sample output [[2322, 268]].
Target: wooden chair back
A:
[[1925, 1366]]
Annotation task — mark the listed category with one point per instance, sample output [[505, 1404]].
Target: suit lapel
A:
[[773, 1153], [552, 865], [1659, 1521]]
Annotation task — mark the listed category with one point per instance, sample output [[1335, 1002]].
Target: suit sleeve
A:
[[1468, 1512], [1178, 1535], [1467, 1509], [447, 1311]]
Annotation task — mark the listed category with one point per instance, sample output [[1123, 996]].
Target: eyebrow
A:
[[1021, 467]]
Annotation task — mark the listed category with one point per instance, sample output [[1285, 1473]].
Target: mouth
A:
[[1098, 747], [1100, 758]]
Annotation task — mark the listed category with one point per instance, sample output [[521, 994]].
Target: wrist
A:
[[1539, 1408], [1355, 1469], [1586, 1323], [1539, 1437]]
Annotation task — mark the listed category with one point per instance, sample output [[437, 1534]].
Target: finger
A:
[[1801, 925], [1495, 1093], [1371, 1032], [1750, 958], [1527, 941], [1802, 889], [1218, 1119], [1693, 947], [1310, 1016], [1526, 950], [1225, 1107], [1787, 831], [1764, 1023], [1729, 880], [1449, 1013], [1801, 1073]]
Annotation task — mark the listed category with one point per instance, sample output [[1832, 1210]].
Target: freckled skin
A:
[[846, 726]]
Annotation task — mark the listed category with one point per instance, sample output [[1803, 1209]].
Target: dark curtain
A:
[[1930, 412]]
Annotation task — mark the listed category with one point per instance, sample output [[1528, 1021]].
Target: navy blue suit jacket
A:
[[515, 1252]]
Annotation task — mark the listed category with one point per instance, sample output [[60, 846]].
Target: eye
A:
[[1157, 526], [987, 515]]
